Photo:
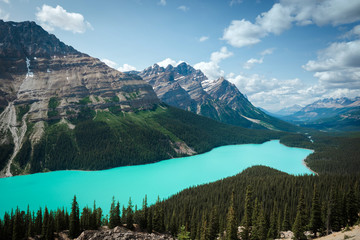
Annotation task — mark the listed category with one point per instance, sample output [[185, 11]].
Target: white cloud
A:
[[233, 2], [183, 8], [272, 93], [282, 15], [267, 51], [338, 66], [110, 63], [242, 33], [50, 18], [276, 20], [203, 38], [251, 62], [162, 2], [126, 68], [212, 69], [6, 1], [168, 61], [355, 32], [3, 15]]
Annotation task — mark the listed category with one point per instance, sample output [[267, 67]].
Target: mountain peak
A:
[[27, 39]]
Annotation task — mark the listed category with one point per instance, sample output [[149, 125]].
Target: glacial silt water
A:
[[163, 179]]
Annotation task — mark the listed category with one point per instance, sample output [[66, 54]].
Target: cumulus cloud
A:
[[338, 66], [282, 15], [183, 8], [162, 2], [126, 68], [50, 18], [203, 38], [212, 69], [242, 33], [251, 62], [274, 94], [168, 61], [110, 63], [3, 15]]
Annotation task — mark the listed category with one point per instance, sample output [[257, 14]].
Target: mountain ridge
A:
[[187, 88]]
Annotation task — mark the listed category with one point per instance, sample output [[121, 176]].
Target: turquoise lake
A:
[[165, 178]]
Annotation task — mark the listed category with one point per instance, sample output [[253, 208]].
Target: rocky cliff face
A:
[[184, 87], [43, 79]]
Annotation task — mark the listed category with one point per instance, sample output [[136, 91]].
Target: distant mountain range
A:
[[184, 87], [329, 114], [63, 109]]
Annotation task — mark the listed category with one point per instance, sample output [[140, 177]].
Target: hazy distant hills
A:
[[330, 114], [184, 87], [63, 109]]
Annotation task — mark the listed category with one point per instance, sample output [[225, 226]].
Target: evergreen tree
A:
[[245, 234], [74, 219], [214, 223], [351, 207], [285, 225], [50, 227], [38, 222], [300, 220], [272, 232], [255, 212], [204, 228], [45, 222], [17, 224], [112, 214], [260, 229], [316, 223], [130, 215], [158, 217], [193, 225], [183, 234], [144, 211], [231, 228], [173, 224], [149, 221]]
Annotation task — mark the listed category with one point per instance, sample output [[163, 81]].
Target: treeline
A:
[[275, 195], [334, 154], [263, 201]]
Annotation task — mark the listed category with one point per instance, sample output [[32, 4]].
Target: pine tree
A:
[[351, 207], [173, 226], [183, 234], [260, 229], [45, 222], [50, 226], [158, 217], [245, 234], [112, 214], [231, 228], [214, 223], [316, 223], [74, 219], [300, 220], [204, 228], [285, 225], [38, 222], [130, 215], [144, 211], [16, 235], [272, 232], [255, 212]]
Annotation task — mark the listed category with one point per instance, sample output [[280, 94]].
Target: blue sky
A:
[[278, 53]]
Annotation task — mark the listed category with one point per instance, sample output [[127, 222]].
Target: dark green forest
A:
[[105, 140]]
